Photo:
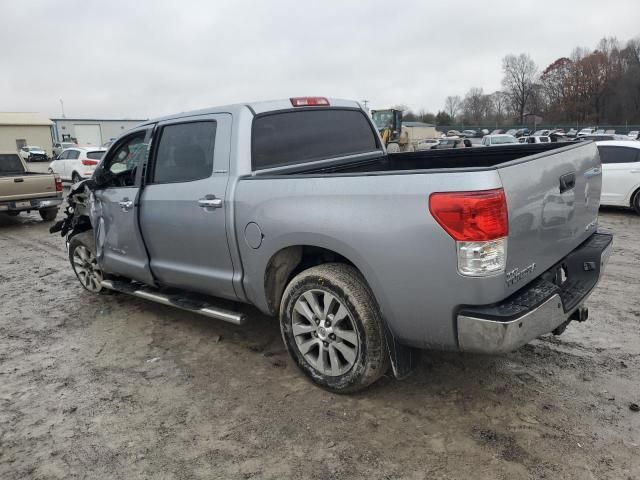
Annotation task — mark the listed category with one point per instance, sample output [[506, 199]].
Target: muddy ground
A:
[[116, 387]]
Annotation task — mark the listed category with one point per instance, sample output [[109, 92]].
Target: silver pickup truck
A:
[[366, 257]]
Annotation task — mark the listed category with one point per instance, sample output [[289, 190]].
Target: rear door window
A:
[[73, 154], [185, 152], [294, 137]]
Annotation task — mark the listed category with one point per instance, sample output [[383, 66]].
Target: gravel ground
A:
[[117, 387]]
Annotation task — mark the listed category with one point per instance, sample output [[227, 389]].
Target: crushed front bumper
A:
[[549, 302]]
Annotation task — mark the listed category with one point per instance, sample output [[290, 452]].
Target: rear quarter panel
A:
[[382, 224]]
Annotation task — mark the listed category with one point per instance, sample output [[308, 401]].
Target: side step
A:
[[175, 300]]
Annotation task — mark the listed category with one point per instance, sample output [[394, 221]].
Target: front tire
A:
[[332, 328], [82, 255]]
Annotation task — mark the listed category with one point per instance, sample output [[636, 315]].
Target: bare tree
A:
[[518, 81], [452, 106], [499, 101]]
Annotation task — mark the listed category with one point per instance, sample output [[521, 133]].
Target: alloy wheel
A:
[[325, 333], [87, 269]]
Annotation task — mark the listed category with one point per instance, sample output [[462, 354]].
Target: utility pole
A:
[[62, 107], [366, 103]]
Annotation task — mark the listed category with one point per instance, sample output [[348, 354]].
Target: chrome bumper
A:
[[483, 335], [34, 204]]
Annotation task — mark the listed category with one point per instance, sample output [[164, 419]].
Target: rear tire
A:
[[332, 328], [82, 255], [48, 214]]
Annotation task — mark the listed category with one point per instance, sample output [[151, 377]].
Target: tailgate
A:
[[552, 200], [20, 187]]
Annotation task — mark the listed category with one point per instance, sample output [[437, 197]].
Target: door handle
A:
[[126, 205], [210, 201]]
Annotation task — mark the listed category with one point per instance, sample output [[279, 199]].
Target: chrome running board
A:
[[182, 302]]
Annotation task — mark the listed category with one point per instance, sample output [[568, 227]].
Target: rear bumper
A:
[[30, 204], [540, 307]]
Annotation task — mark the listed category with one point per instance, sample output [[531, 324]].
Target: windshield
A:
[[503, 139], [382, 119]]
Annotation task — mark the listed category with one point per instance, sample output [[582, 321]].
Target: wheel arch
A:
[[288, 261]]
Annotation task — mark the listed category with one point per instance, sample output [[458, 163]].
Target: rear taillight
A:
[[58, 184], [309, 102], [478, 222], [89, 162]]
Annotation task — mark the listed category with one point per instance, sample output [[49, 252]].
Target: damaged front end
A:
[[78, 217]]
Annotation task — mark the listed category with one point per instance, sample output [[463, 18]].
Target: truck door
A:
[[115, 211], [182, 207]]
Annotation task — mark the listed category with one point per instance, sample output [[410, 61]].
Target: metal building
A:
[[18, 129], [91, 132]]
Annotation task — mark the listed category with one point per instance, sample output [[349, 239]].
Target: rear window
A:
[[10, 163], [95, 155], [290, 138]]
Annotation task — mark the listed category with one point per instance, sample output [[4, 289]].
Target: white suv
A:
[[77, 163]]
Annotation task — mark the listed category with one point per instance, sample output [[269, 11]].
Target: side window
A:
[[618, 154], [64, 155], [121, 166], [73, 154], [185, 152]]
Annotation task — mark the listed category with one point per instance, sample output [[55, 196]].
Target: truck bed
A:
[[468, 158]]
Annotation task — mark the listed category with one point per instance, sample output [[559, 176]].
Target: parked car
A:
[[601, 137], [482, 133], [468, 133], [449, 142], [426, 144], [511, 132], [497, 131], [58, 147], [503, 139], [522, 132], [572, 133], [541, 133], [634, 134], [620, 173], [586, 131], [224, 208], [24, 191], [535, 139], [107, 144], [33, 154], [75, 164], [454, 133]]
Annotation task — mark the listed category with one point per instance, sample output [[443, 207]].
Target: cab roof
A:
[[254, 107]]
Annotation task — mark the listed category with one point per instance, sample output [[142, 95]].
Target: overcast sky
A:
[[139, 59]]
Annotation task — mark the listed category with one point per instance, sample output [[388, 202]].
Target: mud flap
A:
[[404, 359]]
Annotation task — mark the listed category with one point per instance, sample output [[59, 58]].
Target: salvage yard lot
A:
[[117, 387]]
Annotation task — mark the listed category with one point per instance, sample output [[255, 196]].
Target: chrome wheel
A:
[[324, 332], [87, 269]]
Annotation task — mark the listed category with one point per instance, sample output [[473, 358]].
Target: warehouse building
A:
[[18, 129], [90, 132]]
